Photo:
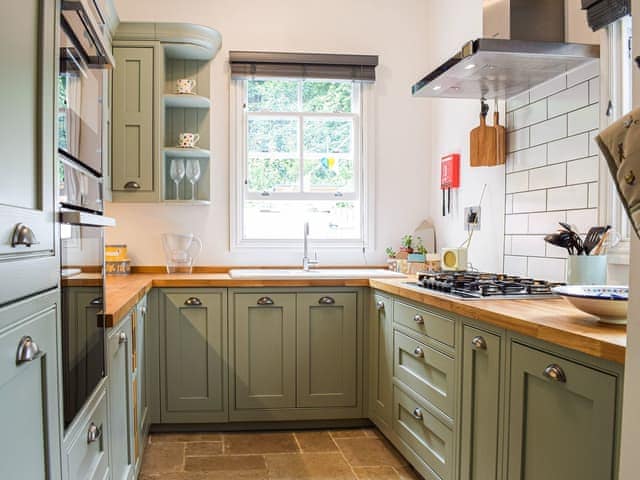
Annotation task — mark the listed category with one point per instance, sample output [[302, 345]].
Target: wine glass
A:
[[177, 171], [193, 174]]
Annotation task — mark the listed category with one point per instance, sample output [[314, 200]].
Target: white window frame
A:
[[616, 67], [364, 181]]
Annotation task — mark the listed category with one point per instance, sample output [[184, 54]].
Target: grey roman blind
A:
[[303, 65], [601, 13]]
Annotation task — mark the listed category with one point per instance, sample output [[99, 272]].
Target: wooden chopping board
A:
[[483, 147]]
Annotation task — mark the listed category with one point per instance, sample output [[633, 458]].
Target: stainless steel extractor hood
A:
[[522, 46]]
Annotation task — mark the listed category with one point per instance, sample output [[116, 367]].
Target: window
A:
[[619, 66], [299, 158]]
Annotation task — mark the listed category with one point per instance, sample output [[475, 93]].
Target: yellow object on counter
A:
[[115, 253]]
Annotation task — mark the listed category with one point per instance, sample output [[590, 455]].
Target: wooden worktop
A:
[[552, 320]]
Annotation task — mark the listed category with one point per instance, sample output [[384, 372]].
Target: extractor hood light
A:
[[470, 66]]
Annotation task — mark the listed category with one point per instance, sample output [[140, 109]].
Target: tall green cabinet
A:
[[380, 360]]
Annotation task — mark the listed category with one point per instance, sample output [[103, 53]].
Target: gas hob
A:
[[478, 285]]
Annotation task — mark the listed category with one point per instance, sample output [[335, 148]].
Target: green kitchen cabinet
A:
[[380, 361], [264, 356], [193, 352], [327, 349], [29, 379], [142, 406], [134, 150], [27, 148], [482, 390], [121, 428], [562, 418]]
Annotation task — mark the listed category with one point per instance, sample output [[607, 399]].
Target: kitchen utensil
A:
[[577, 244], [609, 239], [594, 235], [562, 239], [181, 251], [185, 86], [193, 174], [177, 171], [188, 140], [483, 141], [587, 269], [608, 303], [501, 138]]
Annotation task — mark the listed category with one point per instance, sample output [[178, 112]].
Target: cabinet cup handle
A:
[[93, 433], [326, 301], [379, 305], [265, 301], [418, 352], [143, 311], [96, 301], [28, 351], [23, 235], [555, 372], [479, 343], [193, 302], [122, 338], [417, 413], [132, 185], [419, 319]]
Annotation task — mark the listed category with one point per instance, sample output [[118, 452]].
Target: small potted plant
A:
[[419, 253], [391, 253], [407, 244]]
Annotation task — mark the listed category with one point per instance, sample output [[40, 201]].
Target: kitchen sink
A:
[[318, 273]]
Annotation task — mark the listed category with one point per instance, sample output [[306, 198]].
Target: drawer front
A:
[[87, 457], [429, 438], [424, 322], [426, 371]]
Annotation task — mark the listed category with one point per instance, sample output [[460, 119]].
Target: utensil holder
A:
[[587, 270]]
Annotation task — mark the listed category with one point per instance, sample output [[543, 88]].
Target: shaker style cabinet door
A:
[[561, 418], [193, 349], [133, 113], [481, 415], [27, 148], [264, 359], [327, 350], [380, 360], [30, 434]]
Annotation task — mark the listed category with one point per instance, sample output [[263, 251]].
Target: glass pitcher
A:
[[181, 251]]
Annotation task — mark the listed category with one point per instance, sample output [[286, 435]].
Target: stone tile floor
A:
[[352, 454]]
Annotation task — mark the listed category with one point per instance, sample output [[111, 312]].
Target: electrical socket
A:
[[472, 218]]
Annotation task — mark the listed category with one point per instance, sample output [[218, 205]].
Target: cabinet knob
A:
[[96, 302], [265, 301], [417, 413], [419, 319], [326, 301], [28, 351], [555, 372], [143, 311], [122, 338], [23, 235], [418, 352], [379, 305], [132, 185], [193, 302], [93, 433], [479, 343]]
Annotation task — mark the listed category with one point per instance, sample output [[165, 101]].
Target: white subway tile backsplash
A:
[[583, 170], [507, 245], [583, 219], [517, 140], [581, 74], [594, 90], [556, 252], [585, 119], [594, 198], [567, 198], [545, 222], [569, 148], [552, 269], [549, 130], [527, 159], [518, 101], [517, 182], [528, 245], [526, 202], [515, 265], [508, 207], [569, 100], [534, 113], [548, 88], [516, 224], [547, 177]]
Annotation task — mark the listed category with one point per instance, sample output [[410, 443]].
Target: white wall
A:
[[396, 31]]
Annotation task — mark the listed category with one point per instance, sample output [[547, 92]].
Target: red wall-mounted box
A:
[[450, 171]]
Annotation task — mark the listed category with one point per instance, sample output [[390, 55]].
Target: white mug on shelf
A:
[[188, 140], [185, 85]]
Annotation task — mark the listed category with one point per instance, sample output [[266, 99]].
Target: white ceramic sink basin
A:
[[318, 273]]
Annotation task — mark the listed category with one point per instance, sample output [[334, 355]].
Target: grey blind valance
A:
[[601, 13], [303, 65]]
